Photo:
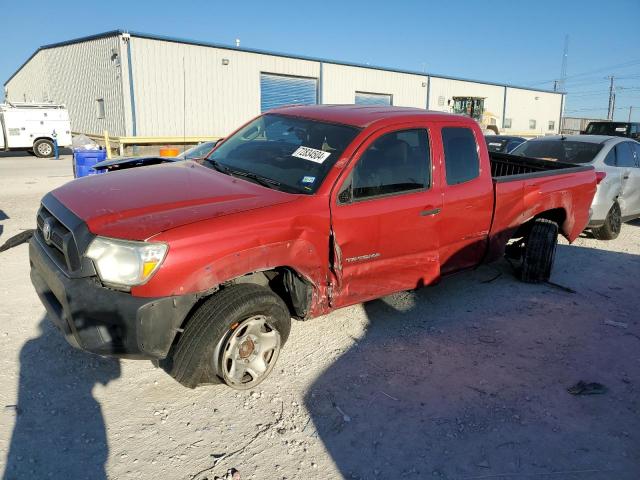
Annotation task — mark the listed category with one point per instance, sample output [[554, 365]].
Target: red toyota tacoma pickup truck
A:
[[202, 265]]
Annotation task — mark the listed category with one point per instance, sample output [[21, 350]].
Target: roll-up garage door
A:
[[279, 90], [363, 98]]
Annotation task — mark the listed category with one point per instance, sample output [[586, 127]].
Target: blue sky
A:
[[503, 41]]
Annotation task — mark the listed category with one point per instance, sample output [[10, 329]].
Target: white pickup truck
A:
[[34, 127]]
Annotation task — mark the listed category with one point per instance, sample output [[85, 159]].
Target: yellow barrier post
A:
[[106, 144]]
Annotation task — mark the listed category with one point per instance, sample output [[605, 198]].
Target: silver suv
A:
[[617, 164]]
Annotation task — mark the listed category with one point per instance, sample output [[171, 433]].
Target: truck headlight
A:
[[122, 263]]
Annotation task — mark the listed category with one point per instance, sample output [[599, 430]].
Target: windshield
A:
[[294, 152], [198, 151], [607, 128], [559, 150]]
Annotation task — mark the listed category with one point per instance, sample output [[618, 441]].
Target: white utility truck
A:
[[34, 127]]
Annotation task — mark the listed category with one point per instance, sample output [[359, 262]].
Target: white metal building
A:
[[147, 85]]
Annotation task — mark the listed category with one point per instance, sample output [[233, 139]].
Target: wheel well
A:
[[557, 215], [287, 283], [42, 138], [294, 289]]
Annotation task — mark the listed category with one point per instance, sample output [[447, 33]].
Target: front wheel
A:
[[612, 225], [235, 336], [43, 148], [539, 251]]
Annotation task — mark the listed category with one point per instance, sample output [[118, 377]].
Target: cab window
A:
[[397, 162], [460, 155]]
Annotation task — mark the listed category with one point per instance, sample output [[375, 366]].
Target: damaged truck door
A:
[[385, 217]]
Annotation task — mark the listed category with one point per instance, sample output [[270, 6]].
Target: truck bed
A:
[[524, 187], [505, 167]]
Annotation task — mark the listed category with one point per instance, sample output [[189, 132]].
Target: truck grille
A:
[[58, 240]]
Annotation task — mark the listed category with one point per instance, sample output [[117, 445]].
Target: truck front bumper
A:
[[105, 321]]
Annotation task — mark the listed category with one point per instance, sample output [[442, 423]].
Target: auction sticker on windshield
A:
[[311, 154]]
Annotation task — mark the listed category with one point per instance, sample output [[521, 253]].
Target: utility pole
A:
[[630, 110], [563, 72], [612, 99]]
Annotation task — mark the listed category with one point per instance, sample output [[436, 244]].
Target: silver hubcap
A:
[[44, 149], [250, 352]]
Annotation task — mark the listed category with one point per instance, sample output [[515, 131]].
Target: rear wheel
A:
[[539, 251], [235, 336], [43, 148], [612, 224]]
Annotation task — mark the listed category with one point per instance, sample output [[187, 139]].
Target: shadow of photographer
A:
[[59, 428]]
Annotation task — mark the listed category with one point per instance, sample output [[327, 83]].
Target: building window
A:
[[552, 125], [100, 107], [532, 124], [364, 98], [506, 123]]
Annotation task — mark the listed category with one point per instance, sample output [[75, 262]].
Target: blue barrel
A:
[[84, 160]]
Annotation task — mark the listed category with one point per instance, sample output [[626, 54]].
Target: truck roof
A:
[[27, 105], [364, 115]]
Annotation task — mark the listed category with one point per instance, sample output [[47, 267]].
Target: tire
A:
[[226, 334], [539, 252], [612, 224], [43, 148]]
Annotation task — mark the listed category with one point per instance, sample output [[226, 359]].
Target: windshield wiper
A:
[[217, 165], [264, 181]]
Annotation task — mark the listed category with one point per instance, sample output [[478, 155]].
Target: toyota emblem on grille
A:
[[46, 232]]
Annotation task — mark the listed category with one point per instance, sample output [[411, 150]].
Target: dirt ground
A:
[[464, 380]]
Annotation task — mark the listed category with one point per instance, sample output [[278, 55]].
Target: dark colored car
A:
[[197, 152], [503, 143], [616, 129]]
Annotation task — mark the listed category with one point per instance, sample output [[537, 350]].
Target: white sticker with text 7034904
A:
[[311, 154]]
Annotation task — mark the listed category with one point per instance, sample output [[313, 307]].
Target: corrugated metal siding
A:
[[340, 83], [575, 125], [279, 90], [206, 97], [525, 105], [31, 83], [187, 89], [76, 75], [363, 98]]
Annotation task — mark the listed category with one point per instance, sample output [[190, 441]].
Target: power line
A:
[[597, 70]]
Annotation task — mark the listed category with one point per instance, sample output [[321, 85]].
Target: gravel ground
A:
[[465, 380]]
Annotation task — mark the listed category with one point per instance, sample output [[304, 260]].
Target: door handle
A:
[[425, 213], [625, 177]]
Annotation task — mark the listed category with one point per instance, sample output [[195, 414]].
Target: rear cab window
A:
[[462, 162]]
